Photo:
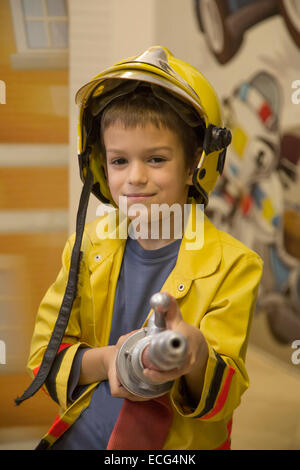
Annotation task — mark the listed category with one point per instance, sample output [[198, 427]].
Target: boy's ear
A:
[[197, 157]]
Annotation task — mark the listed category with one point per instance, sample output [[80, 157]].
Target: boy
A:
[[148, 135]]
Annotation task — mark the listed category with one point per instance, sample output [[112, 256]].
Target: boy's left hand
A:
[[195, 364]]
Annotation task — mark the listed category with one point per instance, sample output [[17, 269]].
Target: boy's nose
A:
[[137, 174]]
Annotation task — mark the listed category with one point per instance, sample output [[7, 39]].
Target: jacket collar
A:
[[206, 245]]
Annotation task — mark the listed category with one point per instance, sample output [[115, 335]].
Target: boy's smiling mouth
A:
[[139, 196]]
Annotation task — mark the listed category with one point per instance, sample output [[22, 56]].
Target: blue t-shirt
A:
[[142, 274]]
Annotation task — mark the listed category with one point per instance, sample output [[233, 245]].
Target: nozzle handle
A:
[[160, 303]]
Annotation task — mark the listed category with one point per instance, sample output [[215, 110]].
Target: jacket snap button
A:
[[181, 287], [97, 257]]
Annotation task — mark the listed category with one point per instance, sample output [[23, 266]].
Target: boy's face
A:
[[146, 165]]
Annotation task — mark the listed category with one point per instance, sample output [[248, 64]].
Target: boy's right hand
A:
[[116, 388]]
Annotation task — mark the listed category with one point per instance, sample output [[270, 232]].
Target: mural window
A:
[[41, 33]]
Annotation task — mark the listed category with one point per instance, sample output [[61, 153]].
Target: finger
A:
[[116, 388], [147, 364], [122, 392], [123, 338], [161, 377], [119, 391], [173, 313], [133, 397], [157, 375]]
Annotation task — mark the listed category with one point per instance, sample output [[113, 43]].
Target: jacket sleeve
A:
[[226, 327], [57, 383]]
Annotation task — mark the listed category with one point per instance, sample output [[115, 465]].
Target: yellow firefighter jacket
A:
[[216, 289]]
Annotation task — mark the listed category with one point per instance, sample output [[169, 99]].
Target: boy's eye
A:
[[118, 161], [122, 161], [157, 159]]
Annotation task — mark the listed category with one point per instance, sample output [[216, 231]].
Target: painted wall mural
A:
[[224, 22], [257, 199]]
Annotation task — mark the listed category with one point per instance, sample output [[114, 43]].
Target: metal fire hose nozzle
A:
[[166, 350]]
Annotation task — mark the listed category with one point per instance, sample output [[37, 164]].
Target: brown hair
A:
[[141, 107]]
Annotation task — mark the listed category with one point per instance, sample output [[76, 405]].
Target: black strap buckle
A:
[[216, 138]]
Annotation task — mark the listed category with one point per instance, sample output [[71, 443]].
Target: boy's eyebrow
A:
[[150, 149], [160, 147]]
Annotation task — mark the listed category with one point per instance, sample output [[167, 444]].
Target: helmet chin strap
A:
[[69, 296]]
